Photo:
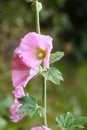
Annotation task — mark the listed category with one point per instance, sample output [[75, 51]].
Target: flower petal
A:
[[14, 116], [19, 92], [40, 128], [29, 46], [21, 73]]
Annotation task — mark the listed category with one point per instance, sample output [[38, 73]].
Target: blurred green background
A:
[[66, 22]]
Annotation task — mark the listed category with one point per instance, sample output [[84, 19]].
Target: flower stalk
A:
[[44, 101], [37, 18], [44, 79]]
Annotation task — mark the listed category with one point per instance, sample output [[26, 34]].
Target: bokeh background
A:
[[66, 22]]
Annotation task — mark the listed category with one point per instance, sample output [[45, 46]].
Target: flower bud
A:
[[29, 0], [33, 5]]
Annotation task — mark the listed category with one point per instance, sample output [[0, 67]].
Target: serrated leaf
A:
[[63, 124], [56, 56], [26, 110], [28, 100], [30, 107], [40, 111], [79, 121], [69, 122], [53, 75]]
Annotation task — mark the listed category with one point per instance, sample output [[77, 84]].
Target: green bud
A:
[[29, 0], [39, 6], [33, 5]]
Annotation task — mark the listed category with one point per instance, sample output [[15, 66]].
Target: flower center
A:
[[41, 53]]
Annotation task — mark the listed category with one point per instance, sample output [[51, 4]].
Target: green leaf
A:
[[29, 100], [79, 121], [69, 122], [56, 56], [30, 107], [53, 75], [40, 111]]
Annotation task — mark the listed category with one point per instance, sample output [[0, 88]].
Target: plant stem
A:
[[44, 79], [37, 18], [44, 102]]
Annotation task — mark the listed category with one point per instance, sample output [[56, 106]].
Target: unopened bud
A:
[[39, 6], [34, 6], [29, 0]]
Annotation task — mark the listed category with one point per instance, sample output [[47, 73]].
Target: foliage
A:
[[30, 107], [56, 56], [53, 75], [69, 122]]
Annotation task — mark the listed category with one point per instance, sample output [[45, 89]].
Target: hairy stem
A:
[[44, 102], [37, 18], [44, 79]]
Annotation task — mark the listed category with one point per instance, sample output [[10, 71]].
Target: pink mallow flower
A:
[[21, 73], [35, 49], [41, 128], [19, 92], [14, 116]]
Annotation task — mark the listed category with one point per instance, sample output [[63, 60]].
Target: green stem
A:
[[44, 84], [37, 18], [44, 102]]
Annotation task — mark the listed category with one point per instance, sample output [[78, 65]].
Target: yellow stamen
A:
[[41, 53]]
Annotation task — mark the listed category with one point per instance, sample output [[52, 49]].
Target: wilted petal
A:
[[41, 128], [19, 92], [14, 116]]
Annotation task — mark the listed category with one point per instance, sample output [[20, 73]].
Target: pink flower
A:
[[35, 49], [21, 73], [41, 128], [19, 92], [14, 116]]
